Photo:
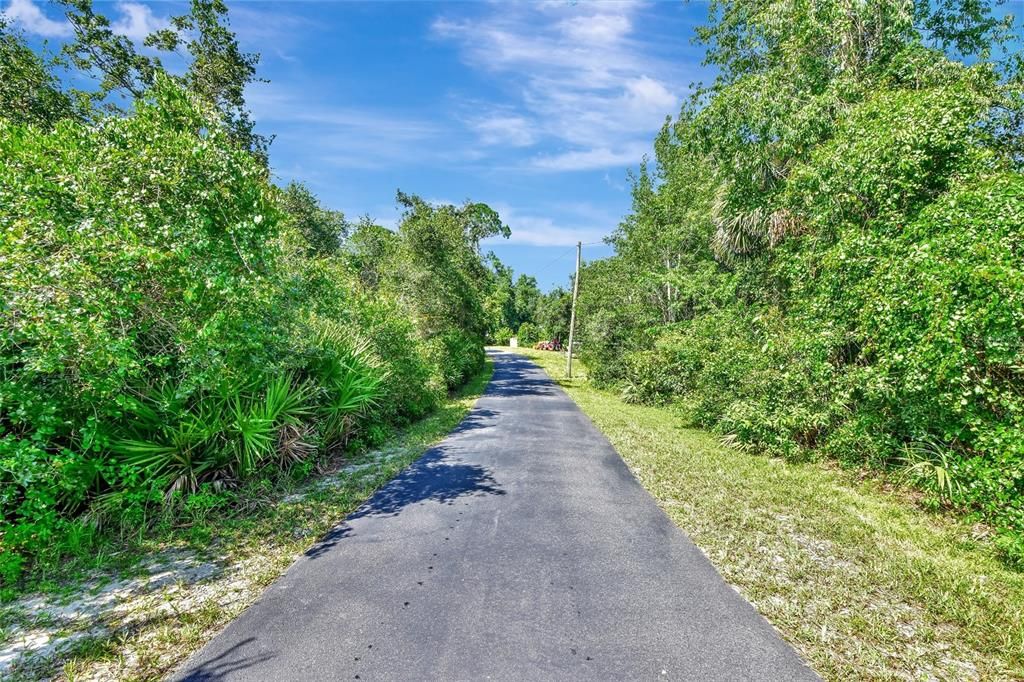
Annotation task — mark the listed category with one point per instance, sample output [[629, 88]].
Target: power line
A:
[[555, 259], [564, 254]]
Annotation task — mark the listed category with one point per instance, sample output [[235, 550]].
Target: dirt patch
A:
[[41, 626]]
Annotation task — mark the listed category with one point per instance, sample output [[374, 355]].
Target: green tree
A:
[[218, 71], [372, 251], [499, 303], [98, 51], [480, 222], [29, 92], [322, 229], [809, 263], [441, 245], [526, 298], [552, 315]]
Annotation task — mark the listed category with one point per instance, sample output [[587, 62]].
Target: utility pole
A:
[[572, 315]]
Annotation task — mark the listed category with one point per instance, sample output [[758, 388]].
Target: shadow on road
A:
[[517, 377], [479, 418], [220, 667], [432, 477], [437, 476]]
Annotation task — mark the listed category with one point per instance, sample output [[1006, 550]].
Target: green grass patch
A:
[[865, 583]]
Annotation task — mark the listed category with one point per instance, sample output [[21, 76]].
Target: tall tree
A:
[[787, 71], [322, 229], [442, 246], [99, 51], [526, 296], [552, 315], [218, 70], [29, 92]]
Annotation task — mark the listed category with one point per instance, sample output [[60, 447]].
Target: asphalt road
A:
[[520, 548]]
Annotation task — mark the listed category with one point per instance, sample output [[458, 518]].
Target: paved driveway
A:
[[520, 548]]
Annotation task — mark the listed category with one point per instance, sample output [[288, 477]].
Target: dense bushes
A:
[[458, 356], [527, 334], [136, 254], [171, 322], [835, 267]]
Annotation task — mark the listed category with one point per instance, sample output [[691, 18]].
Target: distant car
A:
[[554, 344]]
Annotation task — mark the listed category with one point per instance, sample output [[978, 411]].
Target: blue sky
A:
[[538, 109]]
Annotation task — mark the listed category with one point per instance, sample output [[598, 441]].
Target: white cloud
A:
[[533, 230], [583, 77], [27, 16], [602, 29], [499, 129], [591, 159], [647, 96], [543, 231], [617, 185], [285, 105], [273, 29], [343, 137], [137, 21]]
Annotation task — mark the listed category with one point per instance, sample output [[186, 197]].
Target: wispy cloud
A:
[[272, 29], [579, 222], [26, 15], [137, 21], [344, 137], [617, 185], [589, 159], [585, 83], [602, 29], [504, 130]]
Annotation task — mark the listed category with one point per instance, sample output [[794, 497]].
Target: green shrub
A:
[[650, 378], [165, 335], [457, 356], [135, 251], [409, 387], [187, 441], [945, 323], [503, 335], [528, 334], [173, 326], [836, 273]]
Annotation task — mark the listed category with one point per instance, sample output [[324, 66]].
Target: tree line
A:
[[174, 324], [825, 256]]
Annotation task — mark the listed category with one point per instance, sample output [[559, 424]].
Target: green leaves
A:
[[159, 319], [214, 437], [29, 93], [322, 230], [217, 72], [930, 466], [826, 257], [170, 321], [350, 392]]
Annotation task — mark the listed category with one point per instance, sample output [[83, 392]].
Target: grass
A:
[[861, 580], [150, 633]]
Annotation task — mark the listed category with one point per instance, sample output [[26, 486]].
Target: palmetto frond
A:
[[745, 232]]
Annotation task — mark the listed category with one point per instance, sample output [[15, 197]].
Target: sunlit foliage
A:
[[825, 254]]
